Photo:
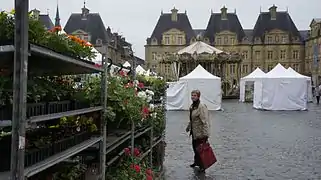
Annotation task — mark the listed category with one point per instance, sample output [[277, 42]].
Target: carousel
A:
[[212, 59]]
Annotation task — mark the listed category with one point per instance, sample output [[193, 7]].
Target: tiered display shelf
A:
[[44, 62]]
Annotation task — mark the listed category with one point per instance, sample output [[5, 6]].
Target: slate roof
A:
[[249, 34], [216, 25], [282, 22], [139, 61], [304, 34], [165, 23], [93, 24], [199, 32], [46, 21]]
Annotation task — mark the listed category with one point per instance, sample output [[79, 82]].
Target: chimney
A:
[[108, 30], [223, 13], [174, 14], [273, 12], [35, 14]]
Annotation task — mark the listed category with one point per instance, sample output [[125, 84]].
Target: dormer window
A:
[[85, 38], [99, 42], [154, 41], [193, 40]]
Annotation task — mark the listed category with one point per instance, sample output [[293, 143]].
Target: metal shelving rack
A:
[[43, 62]]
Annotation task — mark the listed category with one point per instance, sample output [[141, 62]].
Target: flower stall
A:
[[52, 124], [65, 121]]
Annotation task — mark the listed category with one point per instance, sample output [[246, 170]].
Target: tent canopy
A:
[[199, 73], [297, 74], [140, 70], [257, 73], [126, 64], [199, 47], [279, 71]]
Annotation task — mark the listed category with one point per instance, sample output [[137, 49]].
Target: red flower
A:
[[136, 152], [98, 65], [127, 151], [149, 177], [123, 73], [135, 167], [149, 172], [145, 112], [141, 85]]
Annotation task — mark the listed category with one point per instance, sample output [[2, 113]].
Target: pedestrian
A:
[[317, 92], [198, 126]]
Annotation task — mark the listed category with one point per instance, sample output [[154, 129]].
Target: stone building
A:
[[313, 50], [90, 27], [273, 39]]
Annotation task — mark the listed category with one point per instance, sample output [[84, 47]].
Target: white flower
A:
[[136, 82], [154, 115], [161, 98], [78, 129], [142, 94], [149, 92], [149, 99], [151, 107]]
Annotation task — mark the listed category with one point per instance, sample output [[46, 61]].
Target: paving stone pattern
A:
[[250, 144]]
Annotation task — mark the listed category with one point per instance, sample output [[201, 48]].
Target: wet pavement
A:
[[250, 144]]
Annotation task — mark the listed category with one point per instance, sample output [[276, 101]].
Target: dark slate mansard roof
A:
[[165, 23], [46, 21], [93, 24], [282, 22], [216, 25]]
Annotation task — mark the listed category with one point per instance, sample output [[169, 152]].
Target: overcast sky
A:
[[136, 19]]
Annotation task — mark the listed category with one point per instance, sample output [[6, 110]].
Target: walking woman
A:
[[198, 126]]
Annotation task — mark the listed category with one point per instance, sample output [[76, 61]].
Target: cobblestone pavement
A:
[[250, 144]]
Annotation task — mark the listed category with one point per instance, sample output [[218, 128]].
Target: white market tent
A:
[[178, 94], [126, 64], [257, 74], [280, 90], [309, 81], [140, 70], [199, 47]]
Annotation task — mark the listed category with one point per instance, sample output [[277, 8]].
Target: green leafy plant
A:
[[59, 42]]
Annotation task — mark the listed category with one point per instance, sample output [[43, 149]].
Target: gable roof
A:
[[315, 20], [165, 23], [216, 25], [46, 21], [93, 24], [282, 22]]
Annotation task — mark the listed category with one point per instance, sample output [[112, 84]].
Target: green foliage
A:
[[39, 35], [40, 89]]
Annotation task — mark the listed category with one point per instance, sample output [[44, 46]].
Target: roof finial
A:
[[57, 19], [185, 11], [287, 9], [211, 11], [162, 12], [47, 11], [234, 10], [84, 3], [260, 9]]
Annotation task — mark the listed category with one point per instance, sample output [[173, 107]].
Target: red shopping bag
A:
[[207, 155]]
